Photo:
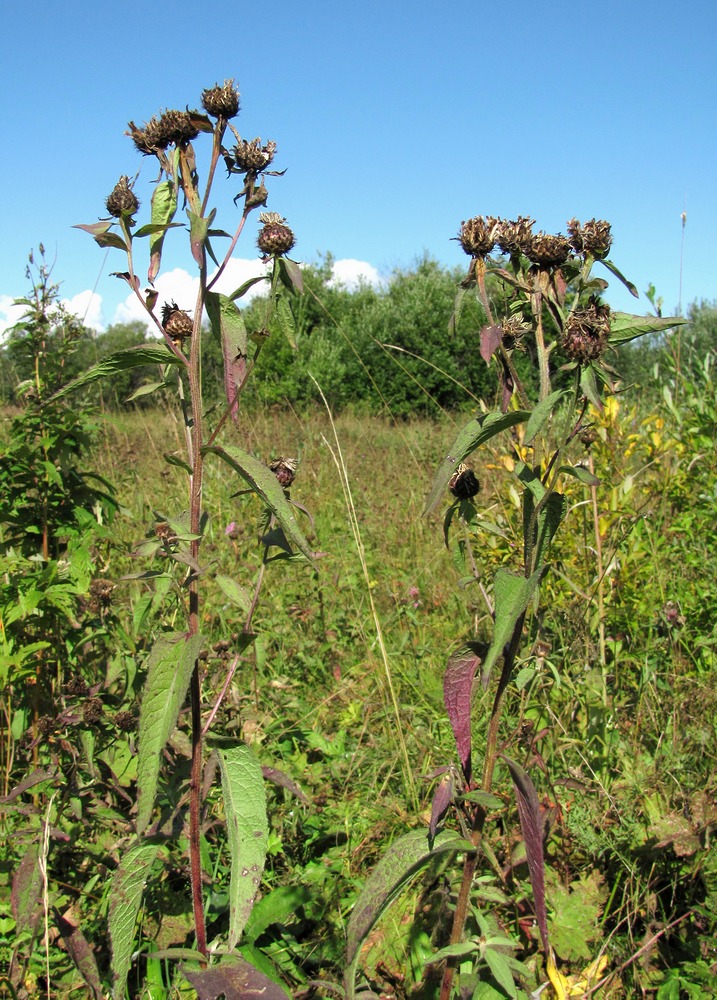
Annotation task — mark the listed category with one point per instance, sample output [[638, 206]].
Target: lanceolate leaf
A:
[[249, 283], [121, 361], [474, 434], [291, 274], [170, 666], [532, 829], [128, 884], [247, 832], [624, 327], [512, 594], [265, 484], [285, 318], [541, 413], [164, 205], [234, 979], [613, 269], [198, 229], [81, 953], [457, 689], [403, 860], [228, 326]]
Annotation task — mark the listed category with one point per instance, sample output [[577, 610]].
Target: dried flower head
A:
[[221, 102], [547, 250], [77, 686], [592, 237], [515, 237], [478, 235], [125, 721], [513, 329], [150, 138], [250, 157], [101, 594], [285, 471], [177, 323], [586, 332], [92, 711], [177, 127], [122, 200], [463, 484], [275, 238]]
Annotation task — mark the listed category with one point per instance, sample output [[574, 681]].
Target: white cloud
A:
[[181, 287], [87, 307], [350, 274]]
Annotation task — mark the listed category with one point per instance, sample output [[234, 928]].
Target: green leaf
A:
[[198, 230], [169, 665], [285, 318], [277, 907], [178, 462], [100, 231], [580, 473], [145, 390], [265, 484], [128, 882], [121, 361], [239, 292], [247, 832], [512, 595], [291, 274], [476, 432], [152, 228], [235, 592], [229, 329], [541, 413], [164, 205], [401, 862], [588, 383], [625, 327], [613, 269], [499, 965]]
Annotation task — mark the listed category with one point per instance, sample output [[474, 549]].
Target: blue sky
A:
[[395, 121]]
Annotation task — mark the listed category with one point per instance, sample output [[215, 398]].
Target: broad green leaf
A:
[[399, 865], [285, 318], [588, 383], [121, 361], [100, 231], [580, 473], [512, 595], [541, 413], [277, 907], [247, 831], [229, 329], [164, 205], [128, 882], [235, 592], [152, 228], [169, 669], [476, 432], [625, 327], [145, 390], [26, 894], [499, 965], [291, 274], [265, 484]]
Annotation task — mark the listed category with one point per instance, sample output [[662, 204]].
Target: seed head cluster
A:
[[171, 128], [480, 235], [285, 471], [592, 237]]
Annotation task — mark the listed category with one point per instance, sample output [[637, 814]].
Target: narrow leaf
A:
[[164, 205], [580, 473], [490, 338], [128, 884], [81, 953], [265, 484], [588, 383], [457, 690], [239, 292], [512, 594], [228, 326], [247, 832], [293, 274], [285, 317], [532, 828], [625, 327], [198, 229], [476, 432], [26, 892], [169, 669], [235, 592], [540, 414], [121, 361], [613, 269], [401, 862], [235, 979], [442, 798], [284, 781]]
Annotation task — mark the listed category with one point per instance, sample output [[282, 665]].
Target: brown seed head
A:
[[221, 102], [478, 235], [547, 250], [513, 329], [592, 237], [285, 471], [176, 127], [122, 200], [125, 721], [275, 238], [101, 592], [586, 332], [463, 484], [177, 323], [77, 686], [150, 138], [515, 237], [252, 157], [92, 711]]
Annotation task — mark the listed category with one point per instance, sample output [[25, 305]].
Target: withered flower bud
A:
[[101, 592], [285, 471], [515, 237], [176, 127], [77, 686], [513, 329], [221, 102], [463, 484], [547, 250], [592, 237], [125, 721], [177, 323], [150, 138], [478, 235], [586, 332], [588, 437], [92, 711], [251, 157], [275, 238], [122, 200]]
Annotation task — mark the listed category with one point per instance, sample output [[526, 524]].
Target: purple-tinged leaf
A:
[[234, 980], [442, 798], [96, 229], [457, 691], [26, 893], [198, 230], [164, 205], [131, 279], [228, 327], [35, 778], [81, 953], [284, 781], [490, 338], [401, 862], [531, 825]]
